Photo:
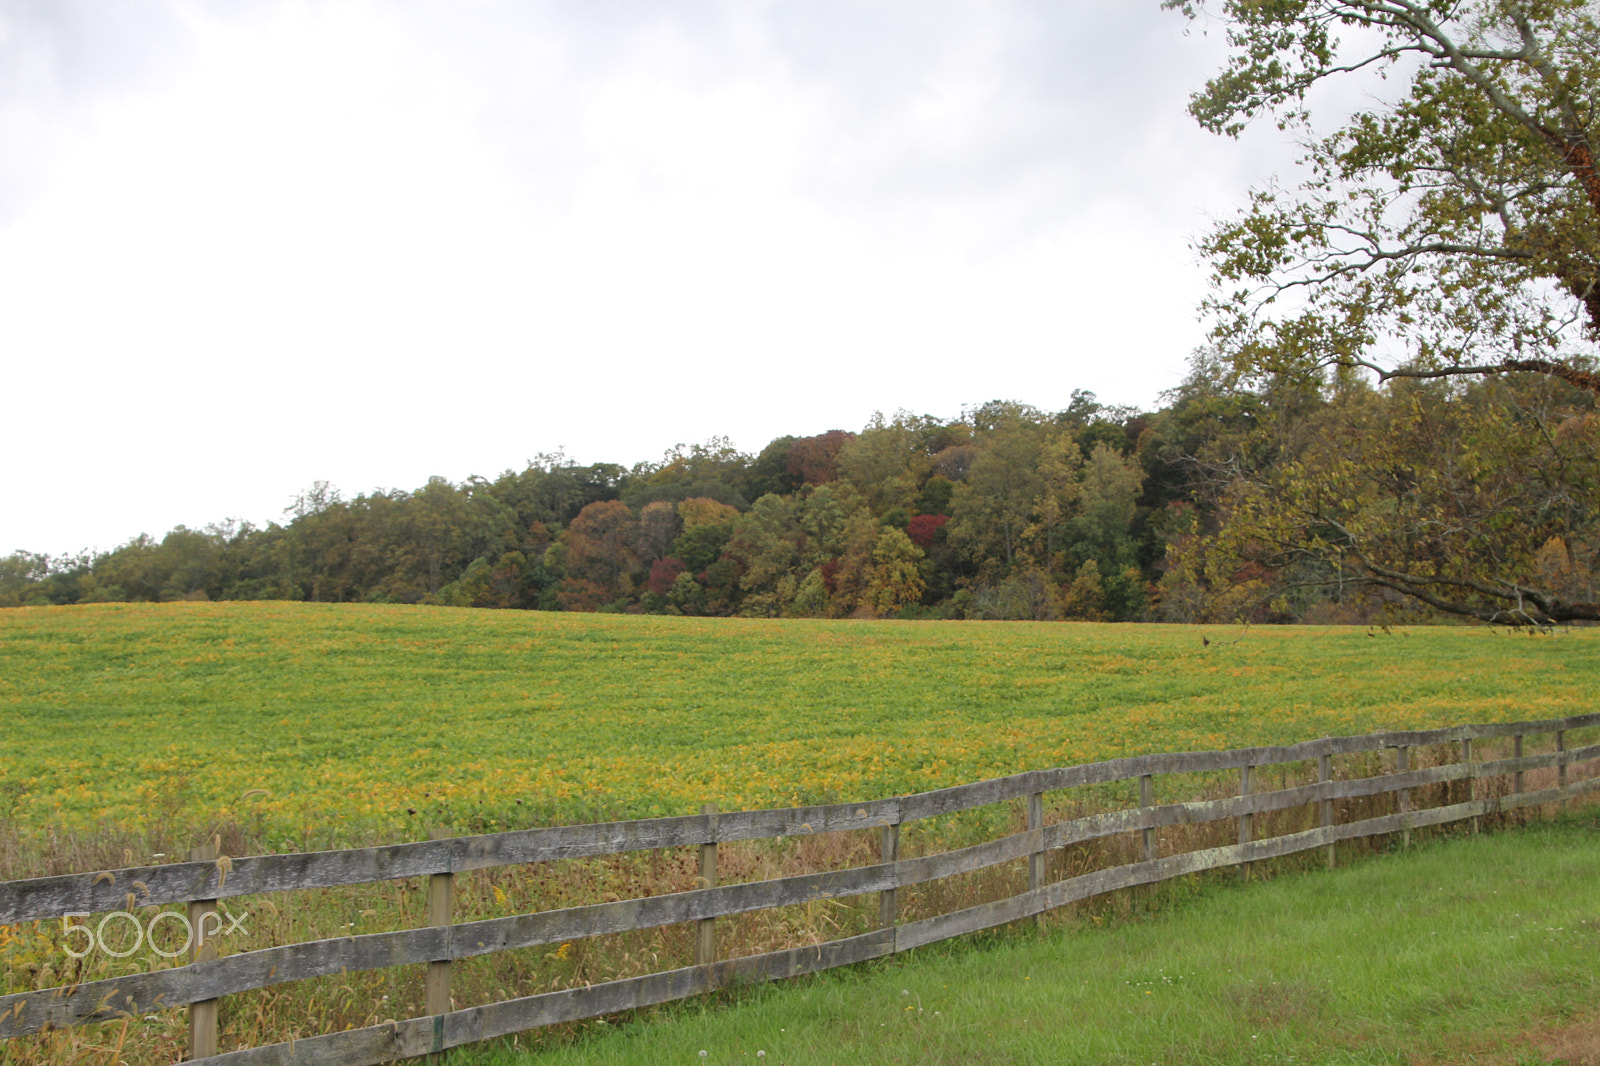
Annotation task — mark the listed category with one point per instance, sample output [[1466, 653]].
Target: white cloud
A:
[[369, 243]]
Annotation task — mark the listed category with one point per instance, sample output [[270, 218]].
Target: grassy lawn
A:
[[1475, 949]]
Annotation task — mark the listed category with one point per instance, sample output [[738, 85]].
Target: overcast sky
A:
[[246, 246]]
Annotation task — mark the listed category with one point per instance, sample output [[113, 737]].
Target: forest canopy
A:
[[1224, 505]]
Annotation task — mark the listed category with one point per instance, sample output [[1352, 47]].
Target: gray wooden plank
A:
[[418, 1036], [970, 920], [1548, 725], [1577, 787], [51, 897], [1090, 827], [44, 898], [513, 1016], [28, 1012], [806, 821], [965, 860], [353, 1047], [1578, 755], [965, 797], [575, 842]]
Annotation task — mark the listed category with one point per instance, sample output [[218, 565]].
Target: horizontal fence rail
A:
[[201, 883]]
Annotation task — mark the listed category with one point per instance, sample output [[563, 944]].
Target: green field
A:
[[337, 722]]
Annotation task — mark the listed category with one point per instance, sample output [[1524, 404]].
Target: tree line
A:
[[1231, 502], [1005, 512]]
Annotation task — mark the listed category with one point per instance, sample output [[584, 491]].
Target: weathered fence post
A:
[[1036, 856], [888, 852], [1402, 763], [1325, 776], [1516, 778], [705, 934], [1561, 765], [1246, 821], [436, 992], [1146, 801], [203, 1015], [1472, 782]]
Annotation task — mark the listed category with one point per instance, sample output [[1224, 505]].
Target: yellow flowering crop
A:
[[305, 721]]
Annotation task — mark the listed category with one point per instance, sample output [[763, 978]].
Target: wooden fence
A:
[[200, 884]]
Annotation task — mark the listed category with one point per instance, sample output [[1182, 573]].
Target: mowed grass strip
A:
[[333, 723], [1478, 949]]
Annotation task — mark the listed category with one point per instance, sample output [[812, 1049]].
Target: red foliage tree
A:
[[815, 460], [663, 572], [922, 528]]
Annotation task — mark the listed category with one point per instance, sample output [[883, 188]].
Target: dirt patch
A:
[[1576, 1042], [1569, 1042]]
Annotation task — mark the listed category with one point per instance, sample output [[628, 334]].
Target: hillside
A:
[[334, 722]]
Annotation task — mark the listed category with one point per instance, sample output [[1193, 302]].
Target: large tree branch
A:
[[1582, 379], [1509, 604], [1492, 615]]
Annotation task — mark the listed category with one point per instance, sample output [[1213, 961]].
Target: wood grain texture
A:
[[1325, 817], [888, 853], [1402, 756], [436, 989], [705, 933], [203, 1012]]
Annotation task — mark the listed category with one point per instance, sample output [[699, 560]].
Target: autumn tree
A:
[[707, 525], [1019, 487], [714, 469], [602, 549], [1103, 531], [993, 506], [924, 527], [1454, 231], [769, 471], [892, 578], [1449, 234], [22, 579], [664, 574], [552, 489], [815, 460], [1477, 500], [658, 528], [850, 573], [885, 462]]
